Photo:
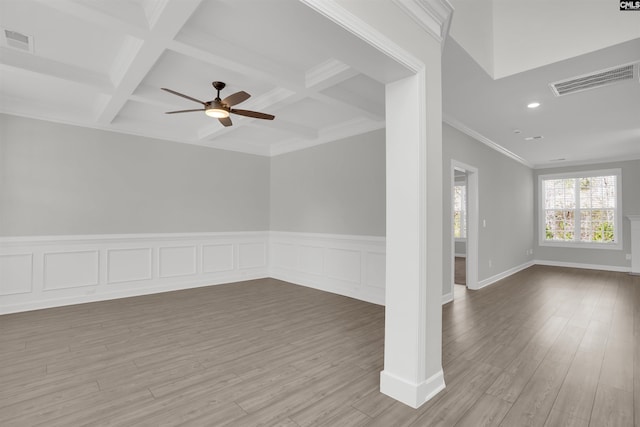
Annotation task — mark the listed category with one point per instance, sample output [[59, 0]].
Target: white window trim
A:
[[582, 245]]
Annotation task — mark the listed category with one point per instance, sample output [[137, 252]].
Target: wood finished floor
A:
[[460, 271], [545, 347]]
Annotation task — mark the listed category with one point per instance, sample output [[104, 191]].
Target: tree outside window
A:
[[460, 211]]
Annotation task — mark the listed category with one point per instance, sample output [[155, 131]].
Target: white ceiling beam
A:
[[169, 22], [301, 131], [152, 129], [150, 95], [330, 133], [364, 109], [223, 54], [325, 76], [86, 13], [45, 109], [372, 109], [27, 62]]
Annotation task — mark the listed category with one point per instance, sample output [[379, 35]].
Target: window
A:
[[581, 209], [460, 211]]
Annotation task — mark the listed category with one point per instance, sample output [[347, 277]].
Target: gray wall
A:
[[335, 188], [630, 206], [505, 202], [64, 180]]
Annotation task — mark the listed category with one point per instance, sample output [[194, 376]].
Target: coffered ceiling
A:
[[102, 64]]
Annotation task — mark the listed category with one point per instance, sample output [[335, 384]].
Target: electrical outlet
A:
[[628, 257]]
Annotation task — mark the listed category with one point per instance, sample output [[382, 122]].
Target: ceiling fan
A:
[[220, 108]]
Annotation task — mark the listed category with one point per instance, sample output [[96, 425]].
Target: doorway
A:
[[464, 228]]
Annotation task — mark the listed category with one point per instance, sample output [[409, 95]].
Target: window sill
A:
[[606, 246]]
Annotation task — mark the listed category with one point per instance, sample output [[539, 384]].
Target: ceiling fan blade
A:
[[254, 114], [183, 95], [226, 121], [183, 111], [236, 98]]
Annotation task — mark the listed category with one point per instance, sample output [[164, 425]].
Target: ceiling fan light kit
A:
[[216, 112], [221, 108]]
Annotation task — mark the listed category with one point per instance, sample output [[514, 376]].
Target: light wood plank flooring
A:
[[545, 347]]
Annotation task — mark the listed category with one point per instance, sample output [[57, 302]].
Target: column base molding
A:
[[408, 392]]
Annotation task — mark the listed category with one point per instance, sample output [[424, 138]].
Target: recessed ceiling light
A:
[[533, 105], [516, 131], [561, 159], [533, 138]]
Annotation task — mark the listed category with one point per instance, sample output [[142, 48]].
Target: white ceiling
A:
[[592, 126], [507, 37], [101, 64]]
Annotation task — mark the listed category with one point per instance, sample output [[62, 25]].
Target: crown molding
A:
[[434, 16], [337, 132], [486, 141], [350, 22]]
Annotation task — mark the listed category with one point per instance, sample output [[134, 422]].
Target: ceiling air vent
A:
[[17, 40], [594, 80]]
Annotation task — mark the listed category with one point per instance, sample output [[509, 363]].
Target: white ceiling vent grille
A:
[[17, 40], [594, 80]]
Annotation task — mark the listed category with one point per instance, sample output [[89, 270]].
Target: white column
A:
[[412, 33], [635, 243], [413, 318]]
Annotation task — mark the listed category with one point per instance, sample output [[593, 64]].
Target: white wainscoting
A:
[[41, 272], [353, 266]]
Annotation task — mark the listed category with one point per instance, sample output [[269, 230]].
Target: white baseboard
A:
[[551, 263], [51, 271], [495, 278], [446, 298], [409, 393], [352, 266]]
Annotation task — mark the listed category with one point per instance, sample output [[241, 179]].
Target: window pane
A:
[[559, 225], [598, 192], [592, 198], [559, 193], [460, 211], [597, 225]]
